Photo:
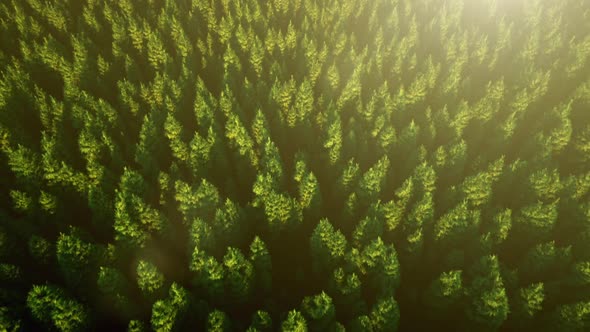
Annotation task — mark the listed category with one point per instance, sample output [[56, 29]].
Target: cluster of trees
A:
[[294, 165]]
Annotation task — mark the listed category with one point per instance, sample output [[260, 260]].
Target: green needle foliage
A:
[[294, 165]]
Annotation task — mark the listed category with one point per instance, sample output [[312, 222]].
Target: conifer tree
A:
[[113, 285], [149, 280], [488, 307], [373, 180], [162, 163], [261, 321], [528, 303], [240, 139], [457, 225], [328, 246], [218, 321], [169, 314], [385, 315], [51, 306], [262, 265], [319, 310], [239, 275], [294, 322], [571, 316], [149, 148], [76, 258], [444, 291]]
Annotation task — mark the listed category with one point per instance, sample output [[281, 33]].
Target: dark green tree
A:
[[239, 275], [261, 321], [150, 280], [218, 321], [327, 246], [528, 303], [262, 264], [114, 287], [319, 311], [50, 305], [385, 315], [209, 274], [76, 258], [444, 291], [294, 322], [170, 313], [488, 302]]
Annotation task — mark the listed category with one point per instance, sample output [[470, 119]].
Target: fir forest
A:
[[295, 165]]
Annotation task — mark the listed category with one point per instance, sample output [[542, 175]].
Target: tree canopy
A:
[[294, 165]]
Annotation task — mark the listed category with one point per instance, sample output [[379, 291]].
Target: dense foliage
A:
[[294, 165]]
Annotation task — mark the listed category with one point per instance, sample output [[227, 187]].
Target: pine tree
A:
[[385, 315], [346, 288], [419, 218], [456, 226], [201, 235], [545, 259], [488, 307], [477, 190], [281, 212], [173, 131], [261, 321], [319, 310], [135, 221], [40, 249], [571, 316], [295, 322], [200, 152], [309, 194], [373, 180], [445, 291], [262, 264], [149, 148], [156, 52], [136, 326], [581, 273], [239, 138], [24, 163], [349, 177], [218, 321], [528, 303], [209, 274], [113, 285], [502, 223], [239, 275], [379, 262], [8, 321], [150, 280], [366, 230], [228, 223], [395, 209], [304, 101], [260, 129], [51, 306], [545, 185], [537, 220], [327, 246], [76, 258], [201, 201], [169, 314], [271, 162], [334, 140]]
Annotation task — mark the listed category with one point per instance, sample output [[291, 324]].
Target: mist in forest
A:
[[294, 165]]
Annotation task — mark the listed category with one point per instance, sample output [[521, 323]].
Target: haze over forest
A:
[[295, 165]]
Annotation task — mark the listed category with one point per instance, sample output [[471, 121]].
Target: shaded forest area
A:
[[295, 165]]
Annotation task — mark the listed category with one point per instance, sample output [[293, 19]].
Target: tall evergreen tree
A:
[[50, 305]]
